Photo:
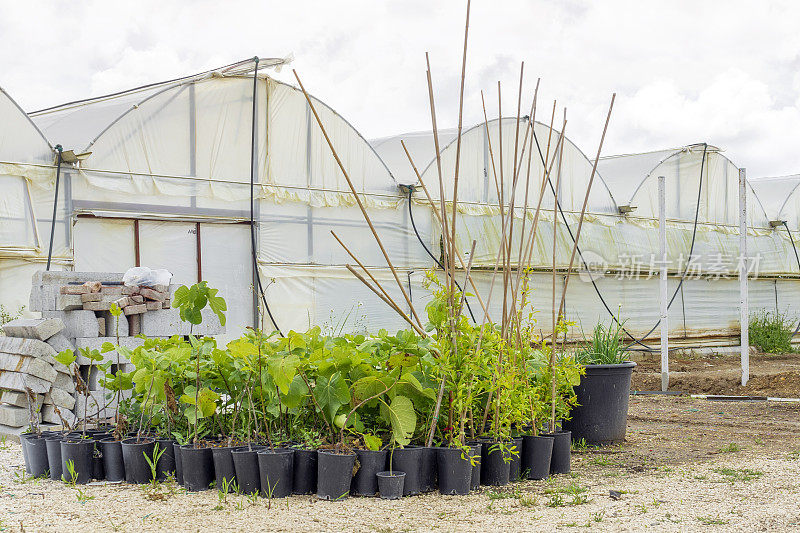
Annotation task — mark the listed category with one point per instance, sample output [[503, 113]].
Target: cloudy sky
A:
[[725, 72]]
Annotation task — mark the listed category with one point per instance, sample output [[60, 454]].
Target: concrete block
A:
[[20, 399], [37, 368], [111, 290], [97, 306], [135, 324], [166, 304], [167, 322], [95, 343], [60, 343], [123, 301], [59, 398], [91, 297], [137, 299], [18, 381], [63, 277], [56, 415], [101, 326], [11, 415], [76, 290], [129, 291], [63, 382], [43, 298], [76, 323], [29, 347], [33, 328], [136, 309], [68, 302], [154, 306], [154, 295], [111, 325]]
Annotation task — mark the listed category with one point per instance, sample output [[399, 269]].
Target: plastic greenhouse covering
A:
[[166, 184]]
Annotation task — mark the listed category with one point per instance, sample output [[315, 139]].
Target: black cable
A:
[[419, 238], [59, 149], [797, 257], [596, 288], [256, 272]]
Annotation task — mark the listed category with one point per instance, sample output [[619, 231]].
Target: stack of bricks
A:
[[80, 302], [32, 383]]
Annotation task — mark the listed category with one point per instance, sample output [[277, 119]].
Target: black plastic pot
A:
[[197, 467], [515, 466], [37, 455], [495, 470], [427, 470], [536, 453], [390, 484], [475, 452], [176, 450], [409, 460], [137, 469], [562, 452], [53, 444], [305, 471], [455, 471], [98, 468], [276, 470], [23, 442], [166, 461], [371, 462], [245, 464], [80, 452], [113, 462], [334, 474], [601, 416], [224, 471]]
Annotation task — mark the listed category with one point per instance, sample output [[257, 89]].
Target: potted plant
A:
[[390, 483], [601, 414]]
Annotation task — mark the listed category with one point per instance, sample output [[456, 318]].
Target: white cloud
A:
[[684, 71]]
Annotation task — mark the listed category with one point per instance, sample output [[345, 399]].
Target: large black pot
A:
[[455, 470], [515, 466], [334, 474], [134, 450], [276, 471], [80, 452], [113, 461], [601, 416], [475, 452], [176, 450], [197, 467], [365, 482], [53, 444], [166, 461], [562, 452], [495, 464], [409, 460], [427, 470], [224, 471], [37, 455], [245, 464], [305, 471], [537, 451]]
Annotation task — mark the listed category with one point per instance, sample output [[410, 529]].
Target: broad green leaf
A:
[[282, 370], [66, 358], [372, 442], [331, 394], [297, 391], [401, 417]]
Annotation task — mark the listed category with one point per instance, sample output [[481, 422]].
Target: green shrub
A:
[[771, 332]]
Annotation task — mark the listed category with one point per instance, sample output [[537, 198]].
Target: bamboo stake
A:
[[358, 200], [555, 318], [388, 302], [583, 208]]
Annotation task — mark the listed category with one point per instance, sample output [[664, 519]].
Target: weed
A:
[[712, 521], [503, 494], [771, 332], [3, 443], [598, 516], [73, 475], [580, 446], [82, 496], [602, 460], [731, 475], [556, 500], [20, 476], [730, 448], [642, 507], [579, 499], [527, 500]]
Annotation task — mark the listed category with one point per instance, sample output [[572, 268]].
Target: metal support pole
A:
[[55, 206], [744, 318], [664, 298]]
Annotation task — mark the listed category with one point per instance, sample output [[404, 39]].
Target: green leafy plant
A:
[[606, 346], [771, 332]]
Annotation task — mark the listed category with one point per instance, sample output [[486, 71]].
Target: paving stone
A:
[[63, 382], [167, 322], [111, 290], [20, 399], [33, 328], [91, 297], [11, 415], [31, 347], [69, 302], [137, 299], [82, 323], [123, 302], [97, 405], [60, 343], [97, 306], [76, 290], [128, 290], [154, 306], [151, 294], [27, 365], [50, 415], [60, 398], [137, 309], [18, 381]]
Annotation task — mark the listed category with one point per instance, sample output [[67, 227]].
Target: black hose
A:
[[59, 149], [256, 273], [596, 288], [797, 257], [419, 238]]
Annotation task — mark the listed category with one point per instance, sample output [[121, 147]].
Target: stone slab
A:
[[11, 415], [18, 381], [20, 399], [63, 382], [167, 322], [60, 343], [111, 325], [33, 328], [69, 302], [80, 323], [32, 366], [97, 306], [59, 398], [154, 295], [30, 347], [136, 309], [50, 415]]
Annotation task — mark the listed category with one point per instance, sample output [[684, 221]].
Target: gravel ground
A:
[[688, 465]]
